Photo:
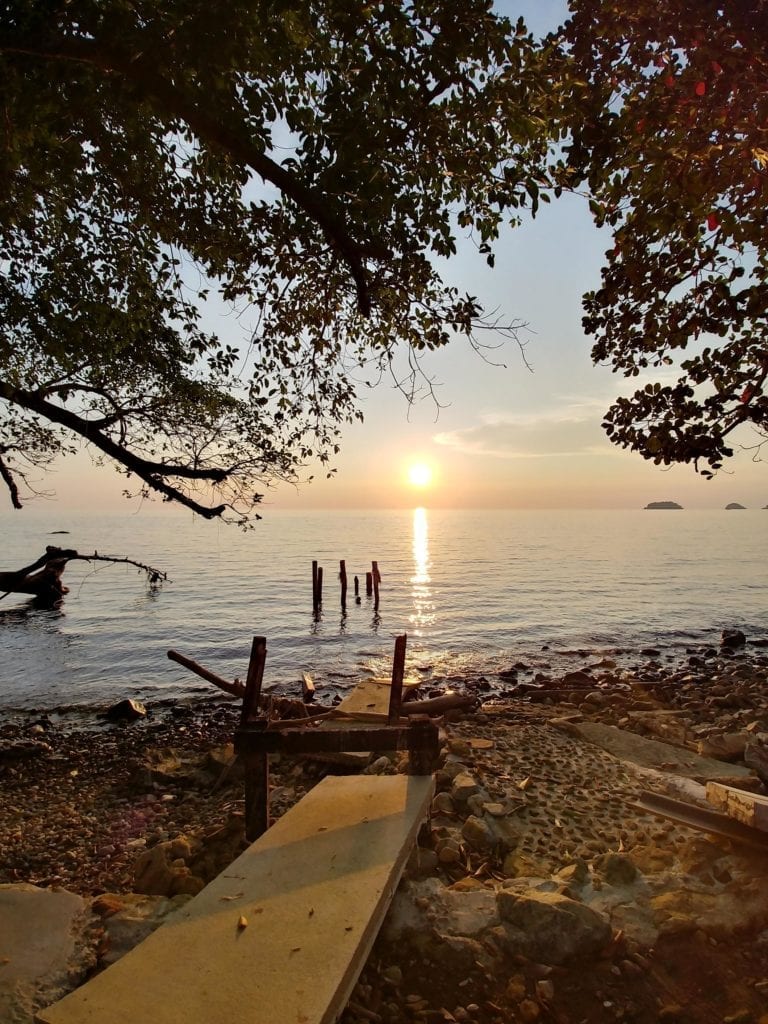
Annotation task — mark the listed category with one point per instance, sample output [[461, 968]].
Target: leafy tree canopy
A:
[[305, 160], [668, 129]]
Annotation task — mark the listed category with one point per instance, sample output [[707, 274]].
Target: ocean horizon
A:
[[476, 591]]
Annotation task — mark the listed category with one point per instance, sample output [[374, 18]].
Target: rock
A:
[[128, 919], [126, 711], [442, 804], [551, 927], [45, 948], [616, 868], [478, 833], [381, 766], [732, 638], [573, 874], [464, 786], [756, 756], [729, 747], [161, 871], [448, 851]]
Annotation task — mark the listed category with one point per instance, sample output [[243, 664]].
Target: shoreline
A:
[[81, 814]]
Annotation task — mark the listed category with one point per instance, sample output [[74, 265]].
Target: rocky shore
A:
[[539, 891]]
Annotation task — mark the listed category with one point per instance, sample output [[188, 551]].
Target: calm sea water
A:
[[475, 592]]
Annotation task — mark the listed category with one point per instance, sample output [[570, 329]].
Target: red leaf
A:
[[716, 68], [701, 88], [712, 222]]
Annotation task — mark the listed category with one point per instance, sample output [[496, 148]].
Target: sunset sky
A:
[[505, 436]]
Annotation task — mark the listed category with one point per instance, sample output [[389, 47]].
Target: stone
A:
[[529, 1011], [126, 711], [45, 948], [478, 833], [616, 868], [551, 927], [573, 874], [464, 786], [162, 871], [732, 638], [128, 918], [442, 804]]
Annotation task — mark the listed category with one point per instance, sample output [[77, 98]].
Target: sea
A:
[[476, 592]]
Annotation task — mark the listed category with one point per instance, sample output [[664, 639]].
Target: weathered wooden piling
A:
[[255, 761], [317, 587], [398, 673], [343, 579], [376, 576], [368, 584]]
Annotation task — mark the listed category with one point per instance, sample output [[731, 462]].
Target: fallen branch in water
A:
[[42, 579]]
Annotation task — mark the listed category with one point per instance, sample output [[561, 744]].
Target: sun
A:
[[419, 474]]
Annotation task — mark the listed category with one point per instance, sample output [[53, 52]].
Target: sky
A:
[[504, 436]]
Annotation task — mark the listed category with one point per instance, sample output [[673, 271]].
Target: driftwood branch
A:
[[235, 689], [42, 578]]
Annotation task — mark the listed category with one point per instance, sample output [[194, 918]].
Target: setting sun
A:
[[419, 474]]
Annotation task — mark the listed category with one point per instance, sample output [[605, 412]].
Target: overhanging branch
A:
[[169, 99]]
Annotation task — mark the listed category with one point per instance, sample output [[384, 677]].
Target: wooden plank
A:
[[369, 701], [749, 808], [312, 892]]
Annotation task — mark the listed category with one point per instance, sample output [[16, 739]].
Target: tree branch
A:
[[233, 140], [152, 473]]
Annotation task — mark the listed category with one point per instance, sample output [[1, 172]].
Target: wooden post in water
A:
[[254, 679], [398, 672], [376, 575], [357, 587], [319, 588], [368, 584], [314, 586], [255, 762], [343, 578]]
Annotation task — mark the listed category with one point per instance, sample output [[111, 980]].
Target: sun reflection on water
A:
[[421, 591]]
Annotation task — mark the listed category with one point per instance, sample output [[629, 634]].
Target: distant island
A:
[[663, 504], [734, 504]]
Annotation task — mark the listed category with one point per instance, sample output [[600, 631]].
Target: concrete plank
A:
[[749, 808], [312, 890], [369, 701]]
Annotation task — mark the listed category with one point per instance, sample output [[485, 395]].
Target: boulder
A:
[[732, 638], [126, 711], [46, 948], [551, 928]]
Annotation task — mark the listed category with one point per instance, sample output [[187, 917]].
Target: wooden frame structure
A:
[[254, 740]]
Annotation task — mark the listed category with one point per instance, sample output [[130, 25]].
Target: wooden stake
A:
[[368, 584], [256, 778], [423, 746], [398, 672], [314, 585], [254, 679], [319, 587], [357, 587], [343, 578], [376, 580]]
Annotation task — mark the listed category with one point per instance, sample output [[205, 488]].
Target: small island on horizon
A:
[[732, 505], [662, 504]]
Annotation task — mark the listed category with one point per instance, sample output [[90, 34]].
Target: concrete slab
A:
[[369, 701], [650, 753], [42, 947], [282, 934]]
